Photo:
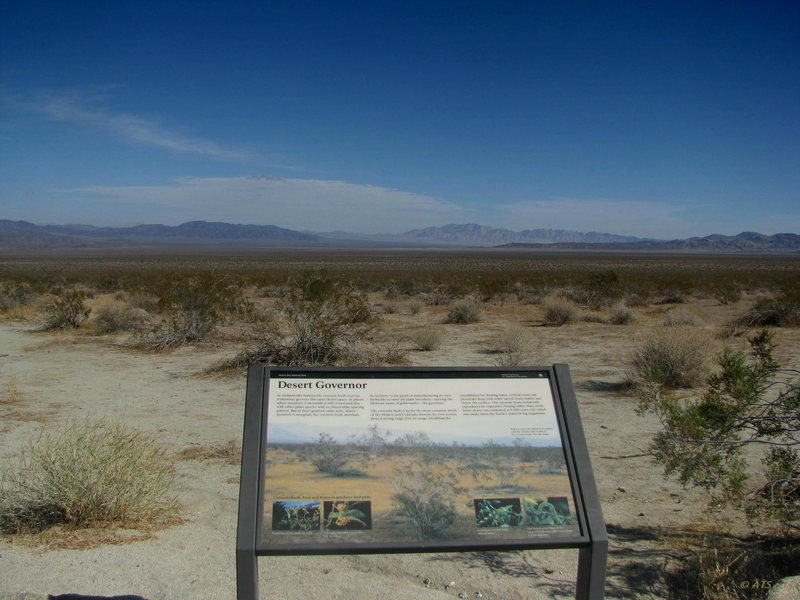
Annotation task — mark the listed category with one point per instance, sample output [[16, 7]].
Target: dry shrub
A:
[[367, 353], [114, 318], [780, 311], [714, 565], [679, 318], [414, 307], [86, 474], [427, 340], [512, 348], [622, 315], [230, 452], [465, 312], [146, 302], [559, 312], [673, 357], [67, 312], [12, 395]]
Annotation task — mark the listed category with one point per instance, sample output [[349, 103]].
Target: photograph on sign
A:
[[472, 458]]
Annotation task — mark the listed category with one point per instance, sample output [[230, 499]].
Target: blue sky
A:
[[659, 119]]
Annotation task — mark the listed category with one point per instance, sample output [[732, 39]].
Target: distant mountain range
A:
[[22, 235]]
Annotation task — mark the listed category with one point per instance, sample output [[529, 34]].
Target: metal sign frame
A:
[[591, 542]]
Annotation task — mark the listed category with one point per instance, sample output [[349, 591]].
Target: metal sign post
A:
[[331, 458]]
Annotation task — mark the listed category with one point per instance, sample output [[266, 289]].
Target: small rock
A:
[[449, 585], [549, 571], [622, 489], [478, 595], [641, 514], [462, 595], [426, 581], [603, 427]]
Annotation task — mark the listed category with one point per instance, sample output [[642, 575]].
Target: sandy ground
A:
[[61, 376]]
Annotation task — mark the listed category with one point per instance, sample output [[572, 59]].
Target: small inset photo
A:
[[295, 515], [541, 512], [347, 515], [498, 512]]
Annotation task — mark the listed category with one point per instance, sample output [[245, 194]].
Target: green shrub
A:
[[86, 474], [67, 312], [673, 358], [748, 402], [464, 312]]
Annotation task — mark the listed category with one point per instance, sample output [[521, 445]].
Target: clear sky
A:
[[659, 119]]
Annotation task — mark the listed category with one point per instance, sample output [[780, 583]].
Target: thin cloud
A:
[[304, 204], [86, 108]]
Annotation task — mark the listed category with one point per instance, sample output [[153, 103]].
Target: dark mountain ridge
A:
[[22, 235]]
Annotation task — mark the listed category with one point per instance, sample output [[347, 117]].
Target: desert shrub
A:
[[146, 302], [12, 395], [436, 297], [114, 318], [637, 297], [67, 312], [229, 452], [464, 312], [329, 456], [14, 295], [726, 292], [370, 353], [512, 348], [559, 312], [194, 305], [326, 323], [423, 493], [86, 474], [748, 401], [414, 308], [673, 358], [679, 318], [427, 340], [622, 315], [782, 310], [603, 288], [672, 297]]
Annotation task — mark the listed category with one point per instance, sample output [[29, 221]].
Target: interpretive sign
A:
[[387, 460]]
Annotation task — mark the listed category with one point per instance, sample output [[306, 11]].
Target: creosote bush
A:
[[194, 305], [67, 312], [749, 401], [86, 474], [673, 357]]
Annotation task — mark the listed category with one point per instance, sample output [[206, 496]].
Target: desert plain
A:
[[195, 410]]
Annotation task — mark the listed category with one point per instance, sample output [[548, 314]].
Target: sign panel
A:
[[398, 458]]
